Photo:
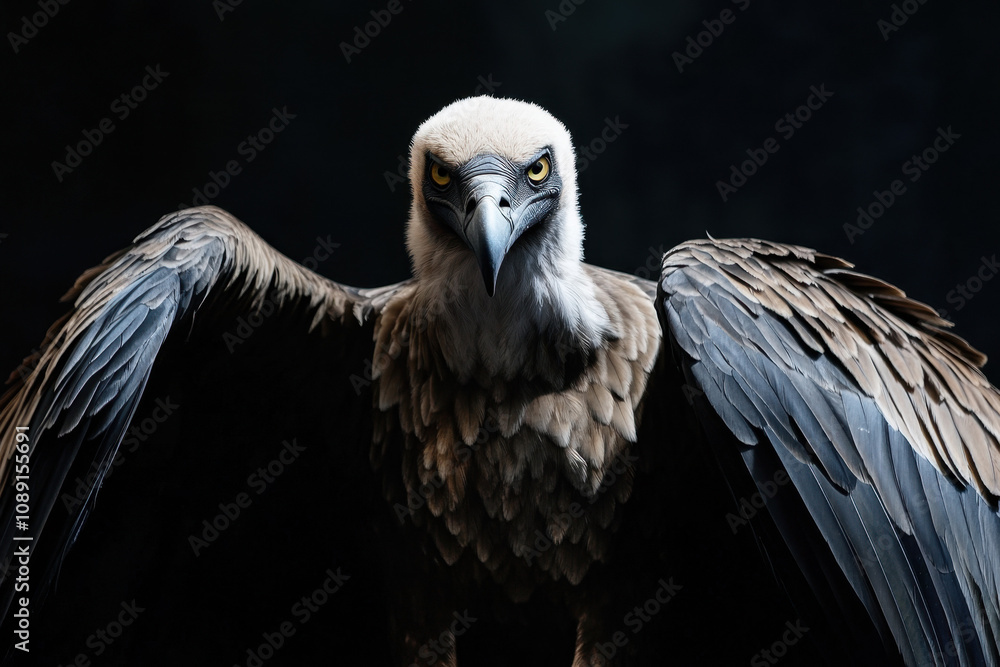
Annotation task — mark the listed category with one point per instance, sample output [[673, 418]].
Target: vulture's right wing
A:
[[882, 419], [250, 349]]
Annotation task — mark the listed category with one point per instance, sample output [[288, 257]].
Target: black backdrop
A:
[[653, 187], [331, 172]]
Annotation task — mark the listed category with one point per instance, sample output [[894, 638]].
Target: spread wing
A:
[[223, 326], [886, 426]]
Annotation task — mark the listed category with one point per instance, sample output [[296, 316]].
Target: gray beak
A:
[[490, 205], [489, 228]]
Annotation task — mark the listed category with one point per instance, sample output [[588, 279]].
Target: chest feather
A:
[[524, 477]]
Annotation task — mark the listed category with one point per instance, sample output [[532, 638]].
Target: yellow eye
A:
[[440, 175], [539, 171]]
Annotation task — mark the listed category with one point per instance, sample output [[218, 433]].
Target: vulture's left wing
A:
[[200, 366], [883, 420]]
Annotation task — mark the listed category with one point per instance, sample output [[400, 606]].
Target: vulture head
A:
[[494, 222]]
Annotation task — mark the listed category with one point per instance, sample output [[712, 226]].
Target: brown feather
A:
[[534, 445], [925, 380]]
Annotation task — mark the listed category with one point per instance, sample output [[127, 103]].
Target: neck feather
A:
[[544, 297]]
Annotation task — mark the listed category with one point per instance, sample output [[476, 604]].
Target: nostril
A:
[[470, 205], [504, 202]]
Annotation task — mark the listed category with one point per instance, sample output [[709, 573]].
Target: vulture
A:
[[220, 456]]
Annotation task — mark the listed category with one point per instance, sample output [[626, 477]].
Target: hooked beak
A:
[[489, 229], [490, 205]]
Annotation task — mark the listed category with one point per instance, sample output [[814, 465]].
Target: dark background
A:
[[653, 187]]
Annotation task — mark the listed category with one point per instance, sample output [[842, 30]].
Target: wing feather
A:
[[882, 418], [94, 367]]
